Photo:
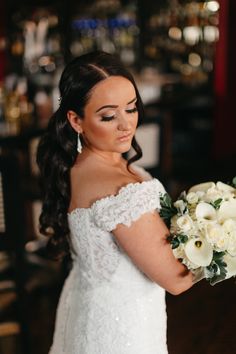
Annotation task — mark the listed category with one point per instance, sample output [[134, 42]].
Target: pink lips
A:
[[125, 137]]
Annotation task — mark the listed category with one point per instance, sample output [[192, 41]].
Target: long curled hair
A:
[[57, 148]]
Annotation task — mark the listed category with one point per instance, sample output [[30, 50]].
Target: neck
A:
[[109, 158]]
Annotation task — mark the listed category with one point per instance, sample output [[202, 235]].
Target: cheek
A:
[[100, 130]]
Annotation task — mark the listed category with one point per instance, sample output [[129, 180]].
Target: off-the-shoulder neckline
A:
[[120, 191]]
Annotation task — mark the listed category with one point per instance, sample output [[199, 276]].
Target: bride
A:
[[104, 211]]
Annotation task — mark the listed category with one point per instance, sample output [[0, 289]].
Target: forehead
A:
[[113, 90]]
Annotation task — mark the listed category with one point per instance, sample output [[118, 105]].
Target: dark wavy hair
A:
[[57, 148]]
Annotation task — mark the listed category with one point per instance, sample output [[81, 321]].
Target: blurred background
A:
[[182, 55]]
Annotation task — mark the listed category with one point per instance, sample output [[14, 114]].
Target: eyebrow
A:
[[114, 106]]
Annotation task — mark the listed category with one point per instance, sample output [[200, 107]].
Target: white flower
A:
[[229, 227], [202, 187], [231, 265], [216, 236], [200, 195], [192, 198], [179, 253], [208, 217], [205, 211], [213, 194], [199, 252], [185, 223], [227, 210], [180, 205], [225, 187]]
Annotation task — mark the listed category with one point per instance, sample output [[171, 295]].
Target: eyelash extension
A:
[[133, 110], [107, 119]]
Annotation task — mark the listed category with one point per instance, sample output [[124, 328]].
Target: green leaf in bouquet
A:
[[167, 209], [216, 203], [176, 240], [182, 238], [174, 243], [166, 201], [217, 269], [218, 256]]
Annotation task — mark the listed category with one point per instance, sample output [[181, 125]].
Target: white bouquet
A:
[[202, 226]]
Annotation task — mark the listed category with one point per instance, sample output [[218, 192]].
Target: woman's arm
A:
[[145, 241]]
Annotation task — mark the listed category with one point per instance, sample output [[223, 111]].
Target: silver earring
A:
[[79, 145]]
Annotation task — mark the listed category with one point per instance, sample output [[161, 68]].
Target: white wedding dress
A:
[[108, 306]]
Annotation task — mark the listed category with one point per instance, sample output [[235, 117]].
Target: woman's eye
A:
[[107, 118], [133, 110]]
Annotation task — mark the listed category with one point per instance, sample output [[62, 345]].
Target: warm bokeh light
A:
[[194, 59], [175, 33], [192, 34], [211, 33], [213, 6]]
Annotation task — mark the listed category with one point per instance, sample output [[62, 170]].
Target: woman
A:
[[105, 211]]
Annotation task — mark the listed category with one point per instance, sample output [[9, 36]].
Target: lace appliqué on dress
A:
[[128, 205]]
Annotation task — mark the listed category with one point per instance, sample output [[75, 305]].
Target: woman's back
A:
[[106, 296]]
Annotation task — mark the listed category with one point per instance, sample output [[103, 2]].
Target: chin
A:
[[125, 148]]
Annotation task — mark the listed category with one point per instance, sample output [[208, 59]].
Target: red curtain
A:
[[225, 83]]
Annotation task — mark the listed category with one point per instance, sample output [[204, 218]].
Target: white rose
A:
[[199, 252], [213, 194], [225, 187], [192, 198], [231, 265], [179, 252], [227, 210], [202, 187], [205, 211], [231, 249], [229, 227], [216, 236], [185, 223], [200, 195], [203, 223]]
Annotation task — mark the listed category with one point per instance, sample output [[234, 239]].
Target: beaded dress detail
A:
[[107, 305]]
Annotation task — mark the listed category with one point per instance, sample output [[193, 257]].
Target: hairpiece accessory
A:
[[79, 145]]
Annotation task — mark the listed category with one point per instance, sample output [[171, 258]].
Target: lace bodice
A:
[[94, 247], [108, 306]]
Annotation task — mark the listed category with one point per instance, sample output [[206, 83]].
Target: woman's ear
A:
[[75, 121]]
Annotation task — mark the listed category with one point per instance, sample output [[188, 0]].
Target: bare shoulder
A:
[[93, 182]]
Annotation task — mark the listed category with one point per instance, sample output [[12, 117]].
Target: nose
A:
[[123, 123]]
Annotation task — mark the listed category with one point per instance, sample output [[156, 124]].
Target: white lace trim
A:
[[128, 205]]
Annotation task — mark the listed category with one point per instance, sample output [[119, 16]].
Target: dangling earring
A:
[[79, 145]]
